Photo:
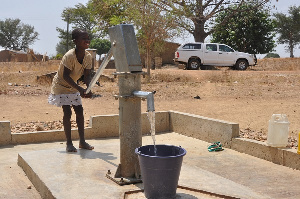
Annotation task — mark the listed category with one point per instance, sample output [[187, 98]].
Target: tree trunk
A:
[[291, 47], [148, 63], [199, 33]]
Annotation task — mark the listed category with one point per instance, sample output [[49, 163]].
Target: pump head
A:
[[125, 48]]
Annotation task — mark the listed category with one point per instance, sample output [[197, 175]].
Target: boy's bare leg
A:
[[80, 124], [67, 128]]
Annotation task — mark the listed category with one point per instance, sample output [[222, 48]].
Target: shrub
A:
[[272, 55]]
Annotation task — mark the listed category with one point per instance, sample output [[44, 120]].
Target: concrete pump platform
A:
[[223, 174]]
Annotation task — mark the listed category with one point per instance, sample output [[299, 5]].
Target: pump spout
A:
[[146, 95]]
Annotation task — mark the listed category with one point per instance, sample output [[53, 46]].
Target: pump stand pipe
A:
[[146, 95]]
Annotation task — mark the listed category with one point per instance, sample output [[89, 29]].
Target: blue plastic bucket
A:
[[160, 172]]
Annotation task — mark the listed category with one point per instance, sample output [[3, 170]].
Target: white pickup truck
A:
[[196, 55]]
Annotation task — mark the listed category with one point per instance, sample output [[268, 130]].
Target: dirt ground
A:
[[248, 98]]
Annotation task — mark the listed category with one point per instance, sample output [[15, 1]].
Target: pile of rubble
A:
[[41, 126]]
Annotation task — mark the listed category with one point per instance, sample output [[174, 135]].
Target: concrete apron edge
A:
[[34, 178], [282, 156]]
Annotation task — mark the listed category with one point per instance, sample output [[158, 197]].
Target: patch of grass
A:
[[278, 64]]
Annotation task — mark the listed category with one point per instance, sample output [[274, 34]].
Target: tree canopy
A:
[[153, 26], [81, 16], [109, 13], [251, 31], [272, 55], [158, 21], [15, 35], [102, 45], [288, 28], [198, 16]]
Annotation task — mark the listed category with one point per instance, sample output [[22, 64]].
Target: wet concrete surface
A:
[[82, 175]]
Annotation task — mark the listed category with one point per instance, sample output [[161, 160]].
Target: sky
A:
[[45, 16]]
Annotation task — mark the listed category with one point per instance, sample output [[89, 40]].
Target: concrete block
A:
[[40, 136], [291, 158], [108, 125], [281, 156], [100, 126], [5, 133], [203, 128], [161, 122], [104, 126], [47, 136], [258, 149]]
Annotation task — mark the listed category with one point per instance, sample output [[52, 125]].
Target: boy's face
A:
[[83, 41]]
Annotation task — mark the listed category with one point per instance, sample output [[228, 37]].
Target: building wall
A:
[[166, 56], [169, 54], [17, 56], [4, 56]]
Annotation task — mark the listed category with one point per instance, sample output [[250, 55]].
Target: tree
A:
[[272, 55], [288, 28], [153, 27], [197, 16], [252, 32], [152, 24], [102, 45], [16, 35], [82, 17], [64, 44], [109, 13], [61, 46]]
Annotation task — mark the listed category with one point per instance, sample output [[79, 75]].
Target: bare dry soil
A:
[[246, 97]]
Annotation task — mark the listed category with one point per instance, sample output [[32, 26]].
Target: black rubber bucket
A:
[[160, 172]]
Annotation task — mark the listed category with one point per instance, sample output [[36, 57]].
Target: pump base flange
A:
[[122, 181]]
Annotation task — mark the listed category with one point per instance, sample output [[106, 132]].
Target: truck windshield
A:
[[225, 48]]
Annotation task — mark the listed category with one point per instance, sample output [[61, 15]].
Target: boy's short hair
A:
[[77, 32]]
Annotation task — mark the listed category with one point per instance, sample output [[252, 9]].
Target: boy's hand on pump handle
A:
[[88, 95], [84, 94]]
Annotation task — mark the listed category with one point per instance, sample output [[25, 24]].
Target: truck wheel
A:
[[241, 64], [193, 64]]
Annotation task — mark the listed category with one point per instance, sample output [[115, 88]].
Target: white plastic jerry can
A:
[[278, 131]]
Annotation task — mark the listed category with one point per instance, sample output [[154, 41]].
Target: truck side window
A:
[[191, 46], [222, 48], [197, 46], [211, 47]]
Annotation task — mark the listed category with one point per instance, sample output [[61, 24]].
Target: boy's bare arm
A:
[[87, 76]]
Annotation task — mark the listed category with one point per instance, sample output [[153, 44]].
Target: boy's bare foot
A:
[[85, 145], [71, 148]]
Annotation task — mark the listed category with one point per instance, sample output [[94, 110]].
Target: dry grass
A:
[[278, 64], [26, 73], [28, 66]]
